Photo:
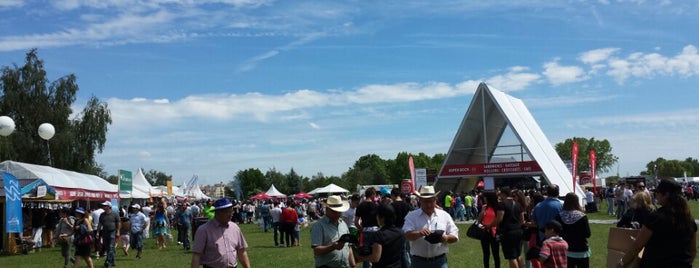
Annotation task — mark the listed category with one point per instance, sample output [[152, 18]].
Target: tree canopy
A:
[[672, 168], [30, 100], [603, 152]]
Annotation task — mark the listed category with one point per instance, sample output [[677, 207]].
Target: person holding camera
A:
[[329, 249], [430, 231]]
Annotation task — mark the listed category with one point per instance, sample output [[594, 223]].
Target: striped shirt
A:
[[554, 251]]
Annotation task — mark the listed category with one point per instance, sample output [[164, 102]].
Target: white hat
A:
[[336, 203], [136, 206], [106, 204], [427, 192]]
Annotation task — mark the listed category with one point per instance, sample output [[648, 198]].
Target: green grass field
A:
[[465, 253]]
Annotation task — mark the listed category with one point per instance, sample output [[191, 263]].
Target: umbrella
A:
[[302, 195], [261, 196]]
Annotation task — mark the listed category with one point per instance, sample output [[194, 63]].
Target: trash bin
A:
[[196, 222]]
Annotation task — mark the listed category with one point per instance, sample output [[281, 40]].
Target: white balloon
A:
[[7, 126], [46, 131]]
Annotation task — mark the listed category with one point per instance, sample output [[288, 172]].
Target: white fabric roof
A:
[[331, 188], [58, 177], [196, 193], [273, 192], [140, 187]]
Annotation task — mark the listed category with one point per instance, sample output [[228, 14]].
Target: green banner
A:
[[125, 180]]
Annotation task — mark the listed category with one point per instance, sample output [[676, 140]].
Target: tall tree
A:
[[251, 181], [155, 177], [293, 182], [30, 100], [603, 153]]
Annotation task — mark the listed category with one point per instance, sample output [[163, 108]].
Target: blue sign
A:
[[13, 203]]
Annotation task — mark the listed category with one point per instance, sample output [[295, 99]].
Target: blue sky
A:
[[212, 87]]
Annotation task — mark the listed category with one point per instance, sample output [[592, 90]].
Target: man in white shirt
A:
[[146, 210], [95, 221], [274, 213], [427, 247]]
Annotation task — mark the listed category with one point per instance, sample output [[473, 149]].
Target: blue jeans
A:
[[275, 226], [108, 239], [183, 234], [405, 253], [266, 221], [610, 205], [620, 209], [418, 262]]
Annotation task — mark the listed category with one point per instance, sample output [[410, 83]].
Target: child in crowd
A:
[[554, 248]]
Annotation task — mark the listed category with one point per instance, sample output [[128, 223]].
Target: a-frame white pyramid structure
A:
[[478, 151]]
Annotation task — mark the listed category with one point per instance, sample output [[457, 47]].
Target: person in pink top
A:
[[490, 223], [219, 242]]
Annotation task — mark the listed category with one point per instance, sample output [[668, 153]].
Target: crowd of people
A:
[[533, 228]]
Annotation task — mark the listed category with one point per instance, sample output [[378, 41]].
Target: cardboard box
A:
[[613, 257], [619, 241]]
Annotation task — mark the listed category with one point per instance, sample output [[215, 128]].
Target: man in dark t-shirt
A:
[[365, 219], [401, 208], [108, 228]]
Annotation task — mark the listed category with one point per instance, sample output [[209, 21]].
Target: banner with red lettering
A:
[[574, 159], [523, 168], [593, 168]]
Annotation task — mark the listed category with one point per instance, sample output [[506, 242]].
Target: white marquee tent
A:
[[141, 188], [273, 192], [329, 189], [69, 185]]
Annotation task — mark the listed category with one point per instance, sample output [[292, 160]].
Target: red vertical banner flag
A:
[[593, 169], [411, 165], [574, 159]]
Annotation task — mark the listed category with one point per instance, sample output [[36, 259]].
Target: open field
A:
[[465, 253]]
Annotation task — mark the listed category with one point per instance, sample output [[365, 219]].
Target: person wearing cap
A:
[[108, 229], [82, 228], [422, 223], [219, 242], [138, 225], [669, 235], [328, 250]]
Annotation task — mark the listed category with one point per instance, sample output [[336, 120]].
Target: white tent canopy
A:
[[273, 192], [196, 193], [69, 185], [331, 188], [140, 187]]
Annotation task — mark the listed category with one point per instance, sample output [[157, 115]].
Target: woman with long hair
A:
[[489, 220], [161, 225], [576, 231], [388, 241], [530, 239], [669, 234], [640, 207], [82, 228], [510, 214]]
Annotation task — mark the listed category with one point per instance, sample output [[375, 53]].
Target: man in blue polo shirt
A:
[[547, 210]]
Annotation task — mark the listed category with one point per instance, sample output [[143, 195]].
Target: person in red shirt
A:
[[287, 222]]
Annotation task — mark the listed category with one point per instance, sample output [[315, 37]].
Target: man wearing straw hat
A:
[[430, 231], [328, 250]]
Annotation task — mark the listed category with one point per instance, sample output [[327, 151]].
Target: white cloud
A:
[[313, 125], [685, 64], [597, 55], [557, 74], [515, 79], [685, 118]]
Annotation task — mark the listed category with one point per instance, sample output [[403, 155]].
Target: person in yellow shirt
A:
[[448, 204]]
